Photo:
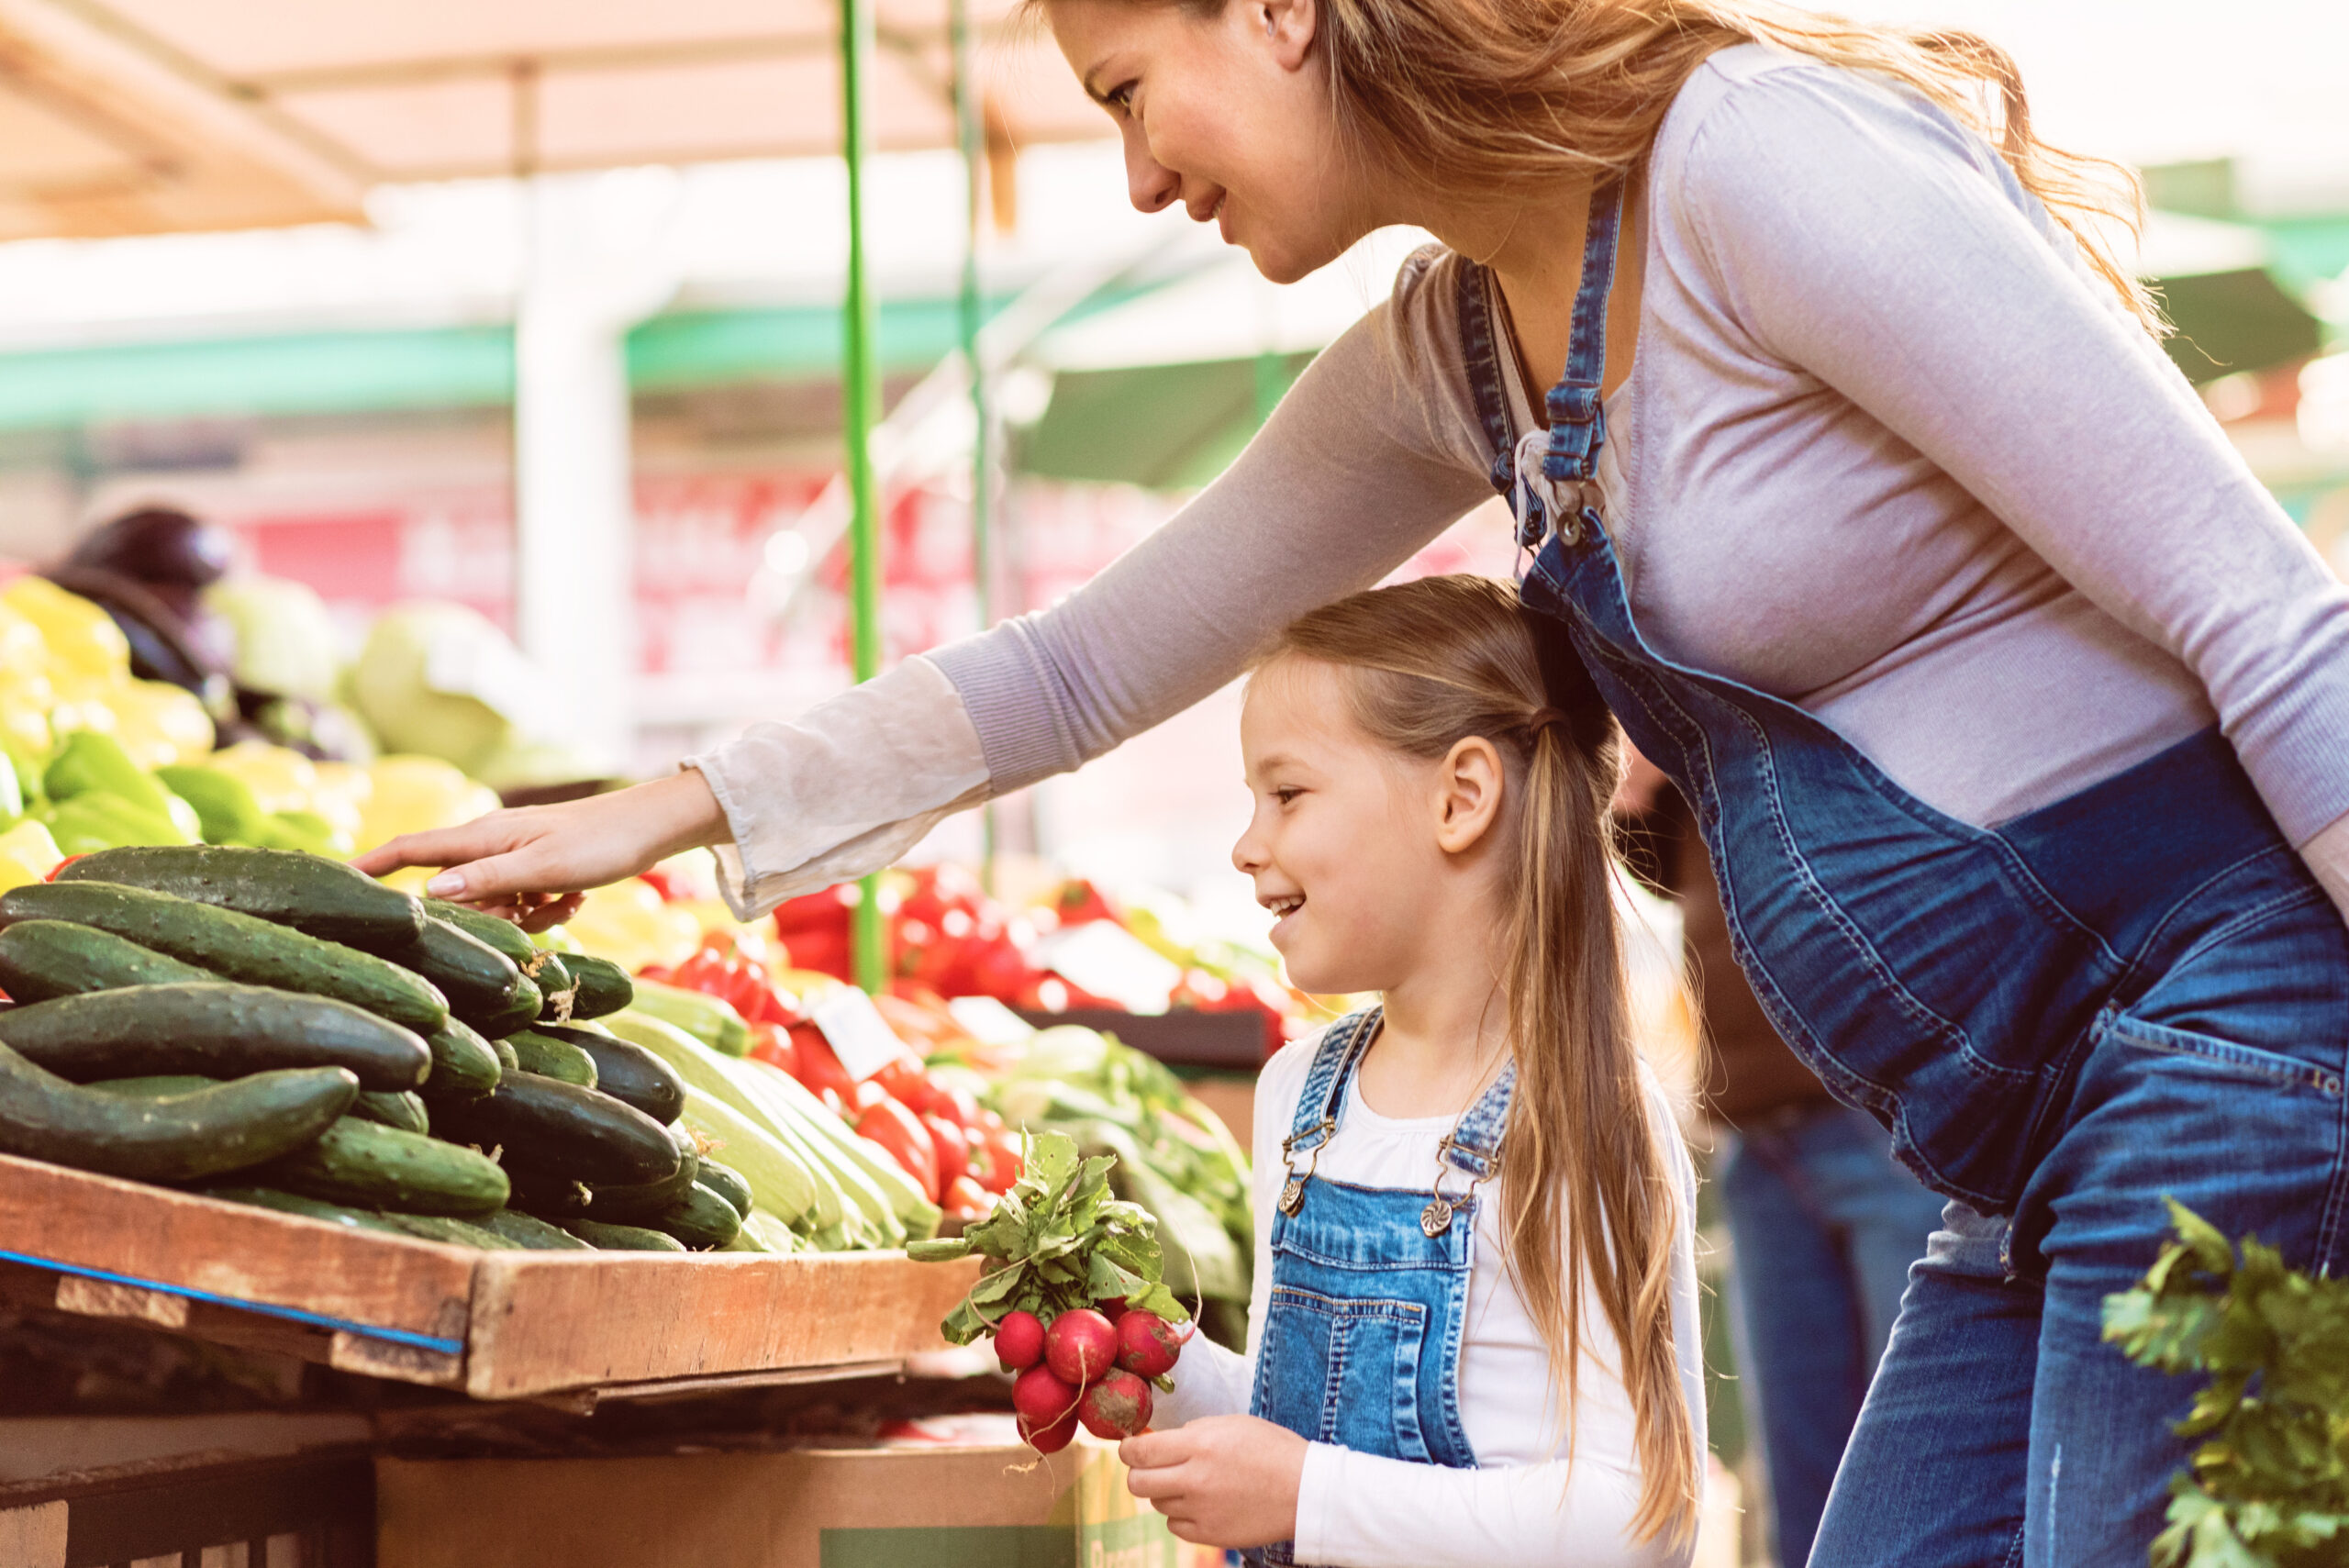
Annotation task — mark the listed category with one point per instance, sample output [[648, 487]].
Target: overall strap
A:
[[1564, 488], [1474, 1147], [1325, 1083]]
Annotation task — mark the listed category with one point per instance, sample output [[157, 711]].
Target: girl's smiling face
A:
[[1227, 112], [1356, 848]]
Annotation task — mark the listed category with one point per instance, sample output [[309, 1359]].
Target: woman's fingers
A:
[[441, 847]]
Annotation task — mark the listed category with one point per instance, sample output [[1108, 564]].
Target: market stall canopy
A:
[[129, 117]]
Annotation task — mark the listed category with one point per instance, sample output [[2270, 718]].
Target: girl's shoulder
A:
[[1282, 1081]]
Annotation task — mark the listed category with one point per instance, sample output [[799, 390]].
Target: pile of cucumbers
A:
[[273, 1028]]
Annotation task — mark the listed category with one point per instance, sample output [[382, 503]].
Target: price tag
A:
[[857, 1033], [1111, 962], [990, 1021]]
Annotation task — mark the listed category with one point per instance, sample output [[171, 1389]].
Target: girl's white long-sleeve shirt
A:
[[1526, 1504]]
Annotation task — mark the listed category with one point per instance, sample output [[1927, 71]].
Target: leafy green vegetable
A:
[[1058, 1239], [2268, 1488]]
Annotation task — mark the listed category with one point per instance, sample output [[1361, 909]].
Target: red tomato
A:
[[898, 1130], [772, 1043], [953, 1149], [966, 1199]]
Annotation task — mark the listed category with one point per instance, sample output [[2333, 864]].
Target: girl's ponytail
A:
[[1438, 661]]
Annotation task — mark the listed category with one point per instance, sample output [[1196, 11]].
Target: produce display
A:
[[1071, 1295], [174, 1019]]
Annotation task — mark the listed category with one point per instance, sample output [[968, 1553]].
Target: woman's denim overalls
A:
[[1361, 1345], [2137, 991]]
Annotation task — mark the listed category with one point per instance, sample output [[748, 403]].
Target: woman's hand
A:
[[1228, 1481], [529, 865]]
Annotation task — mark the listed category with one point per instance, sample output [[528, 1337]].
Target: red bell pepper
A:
[[966, 1199], [898, 1130], [772, 1043], [1005, 1160], [953, 1147], [819, 1067]]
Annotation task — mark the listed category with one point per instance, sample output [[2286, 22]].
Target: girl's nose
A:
[[1153, 185]]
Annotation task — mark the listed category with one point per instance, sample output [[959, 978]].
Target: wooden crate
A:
[[498, 1325]]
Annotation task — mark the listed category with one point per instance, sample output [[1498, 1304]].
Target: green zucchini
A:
[[307, 1207], [553, 1126], [42, 959], [530, 1230], [404, 1111], [603, 986], [213, 1027], [625, 1070], [726, 1183], [177, 1137], [551, 1057], [449, 1232], [479, 982], [234, 945], [464, 1065], [371, 1166], [701, 1219], [622, 1238], [309, 892], [640, 1204], [709, 1019]]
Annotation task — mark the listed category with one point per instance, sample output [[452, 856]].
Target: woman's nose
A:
[[1153, 185], [1248, 854]]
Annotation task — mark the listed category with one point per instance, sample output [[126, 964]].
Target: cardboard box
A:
[[932, 1507]]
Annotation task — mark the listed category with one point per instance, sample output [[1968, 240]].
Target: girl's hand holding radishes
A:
[[1228, 1481]]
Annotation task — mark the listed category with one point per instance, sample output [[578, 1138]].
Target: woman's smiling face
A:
[[1228, 112]]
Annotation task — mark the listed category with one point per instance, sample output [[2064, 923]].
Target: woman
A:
[[2011, 708]]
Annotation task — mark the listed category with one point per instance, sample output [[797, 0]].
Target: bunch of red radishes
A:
[[1091, 1364]]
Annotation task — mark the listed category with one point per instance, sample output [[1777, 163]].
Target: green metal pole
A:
[[970, 135], [859, 392]]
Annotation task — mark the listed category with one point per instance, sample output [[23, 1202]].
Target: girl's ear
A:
[[1469, 784], [1289, 25]]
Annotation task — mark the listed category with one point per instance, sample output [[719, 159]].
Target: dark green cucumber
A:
[[627, 1071], [504, 935], [464, 1065], [309, 892], [42, 959], [603, 986], [522, 1011], [549, 1057], [177, 1137], [479, 982], [530, 1230], [213, 1027], [307, 1207], [234, 945], [557, 989], [370, 1167], [726, 1183], [157, 1085], [547, 1194], [509, 1060], [622, 1238], [701, 1219], [449, 1232], [642, 1203], [551, 1126], [404, 1111]]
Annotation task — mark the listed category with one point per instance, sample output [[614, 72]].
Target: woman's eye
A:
[[1120, 98], [1286, 796]]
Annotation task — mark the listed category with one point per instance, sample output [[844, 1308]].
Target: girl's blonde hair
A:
[[1432, 663]]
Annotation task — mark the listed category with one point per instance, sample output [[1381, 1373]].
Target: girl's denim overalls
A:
[[2138, 991], [1361, 1343]]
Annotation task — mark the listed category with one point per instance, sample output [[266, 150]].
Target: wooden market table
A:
[[501, 1325]]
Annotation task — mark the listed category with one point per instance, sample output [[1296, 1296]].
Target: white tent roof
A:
[[123, 116]]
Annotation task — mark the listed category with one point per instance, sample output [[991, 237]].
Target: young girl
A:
[[1474, 1318]]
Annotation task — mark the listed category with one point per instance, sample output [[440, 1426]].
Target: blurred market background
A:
[[446, 399]]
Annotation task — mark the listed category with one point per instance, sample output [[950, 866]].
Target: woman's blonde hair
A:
[[1431, 664], [1508, 94]]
